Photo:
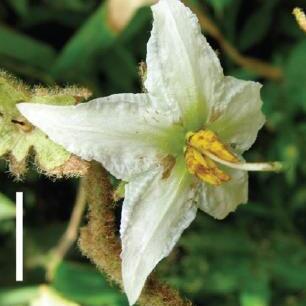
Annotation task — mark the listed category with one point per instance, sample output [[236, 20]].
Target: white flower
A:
[[178, 146]]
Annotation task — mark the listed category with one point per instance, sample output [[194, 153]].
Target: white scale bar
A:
[[19, 236]]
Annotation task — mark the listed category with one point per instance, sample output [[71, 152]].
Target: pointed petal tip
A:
[[22, 107], [132, 295], [32, 112], [132, 288], [26, 109], [155, 213]]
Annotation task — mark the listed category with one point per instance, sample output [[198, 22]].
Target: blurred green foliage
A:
[[257, 256], [7, 208]]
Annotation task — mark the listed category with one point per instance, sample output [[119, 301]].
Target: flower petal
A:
[[155, 213], [239, 115], [184, 73], [121, 131], [220, 201]]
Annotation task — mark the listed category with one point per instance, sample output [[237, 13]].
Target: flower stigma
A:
[[205, 150]]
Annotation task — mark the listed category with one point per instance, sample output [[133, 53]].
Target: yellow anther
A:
[[300, 18], [204, 151], [206, 140], [204, 168]]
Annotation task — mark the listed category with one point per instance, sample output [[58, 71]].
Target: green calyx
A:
[[18, 138]]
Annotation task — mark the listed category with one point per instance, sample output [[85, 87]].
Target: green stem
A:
[[71, 233]]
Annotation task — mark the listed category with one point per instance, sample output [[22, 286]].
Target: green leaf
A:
[[18, 137], [230, 22], [17, 296], [20, 6], [296, 75], [255, 290], [239, 242], [73, 5], [84, 285], [289, 272], [220, 5], [92, 39], [25, 49], [288, 267], [216, 262], [120, 62], [257, 25], [7, 208]]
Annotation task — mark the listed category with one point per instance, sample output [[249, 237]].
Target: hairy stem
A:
[[100, 243], [71, 233]]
